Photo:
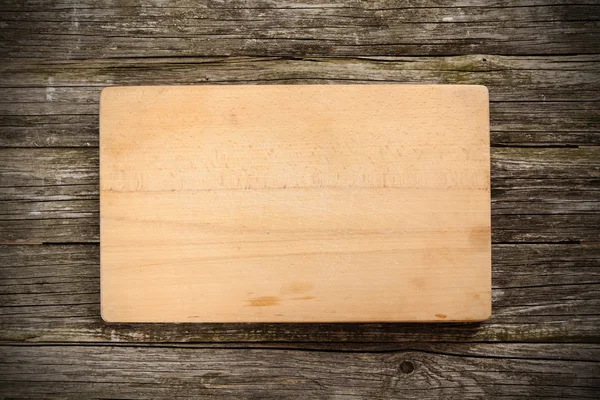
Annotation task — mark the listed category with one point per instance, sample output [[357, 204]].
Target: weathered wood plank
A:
[[109, 371], [548, 351], [546, 228], [69, 177], [520, 265], [50, 195], [71, 131], [540, 293], [35, 5], [48, 167], [509, 78], [545, 163], [181, 28], [544, 123], [543, 196]]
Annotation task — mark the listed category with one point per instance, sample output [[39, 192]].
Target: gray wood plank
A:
[[545, 196], [60, 29], [545, 163], [35, 5], [546, 228], [48, 167], [167, 372], [541, 293], [509, 78]]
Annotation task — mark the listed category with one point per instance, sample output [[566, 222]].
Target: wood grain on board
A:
[[295, 203]]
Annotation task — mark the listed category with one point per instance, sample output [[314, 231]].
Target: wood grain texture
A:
[[539, 59], [291, 203], [224, 28], [51, 294], [117, 372], [509, 78]]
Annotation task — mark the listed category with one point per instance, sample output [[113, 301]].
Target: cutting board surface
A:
[[317, 203]]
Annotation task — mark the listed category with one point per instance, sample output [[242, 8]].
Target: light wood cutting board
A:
[[295, 203]]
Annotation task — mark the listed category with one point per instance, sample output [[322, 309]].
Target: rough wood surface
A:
[[65, 29], [541, 293], [538, 57], [452, 371], [76, 83]]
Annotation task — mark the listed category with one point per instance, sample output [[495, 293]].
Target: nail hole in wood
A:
[[407, 367]]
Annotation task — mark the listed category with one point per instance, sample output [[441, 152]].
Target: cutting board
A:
[[289, 203]]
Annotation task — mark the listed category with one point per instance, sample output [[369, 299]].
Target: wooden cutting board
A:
[[295, 203]]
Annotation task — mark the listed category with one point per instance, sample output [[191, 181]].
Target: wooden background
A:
[[541, 62]]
